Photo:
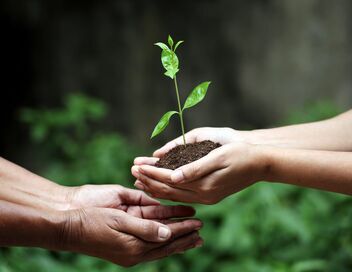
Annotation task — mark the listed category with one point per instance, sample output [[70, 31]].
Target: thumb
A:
[[147, 230], [198, 169]]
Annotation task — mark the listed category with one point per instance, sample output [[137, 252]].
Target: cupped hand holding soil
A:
[[216, 163]]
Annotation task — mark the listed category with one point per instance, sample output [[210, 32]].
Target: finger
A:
[[145, 160], [164, 191], [178, 246], [179, 228], [147, 230], [182, 227], [165, 212], [135, 197], [160, 174], [190, 138], [197, 169]]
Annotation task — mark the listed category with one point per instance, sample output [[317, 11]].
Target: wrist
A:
[[255, 137], [62, 198], [263, 162], [66, 225]]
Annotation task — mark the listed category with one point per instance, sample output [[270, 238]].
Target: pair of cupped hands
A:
[[128, 226]]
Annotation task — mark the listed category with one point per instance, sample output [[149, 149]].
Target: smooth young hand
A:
[[223, 171], [242, 161]]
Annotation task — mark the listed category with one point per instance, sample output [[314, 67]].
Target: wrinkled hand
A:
[[124, 239], [127, 226], [224, 171]]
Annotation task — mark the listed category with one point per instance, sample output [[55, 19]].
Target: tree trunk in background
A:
[[264, 58]]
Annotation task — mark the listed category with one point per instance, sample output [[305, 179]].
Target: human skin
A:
[[311, 155], [111, 222]]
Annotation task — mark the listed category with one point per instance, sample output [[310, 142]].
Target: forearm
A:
[[20, 186], [333, 134], [326, 170], [26, 226]]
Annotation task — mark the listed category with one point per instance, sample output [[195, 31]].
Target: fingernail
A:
[[177, 176], [139, 185], [163, 233], [137, 160], [135, 170]]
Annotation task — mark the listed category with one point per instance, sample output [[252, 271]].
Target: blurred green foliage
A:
[[78, 151], [267, 227]]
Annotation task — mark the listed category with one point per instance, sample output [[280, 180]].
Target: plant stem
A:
[[180, 112]]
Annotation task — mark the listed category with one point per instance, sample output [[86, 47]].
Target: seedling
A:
[[170, 62]]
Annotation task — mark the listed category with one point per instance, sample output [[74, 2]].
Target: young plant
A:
[[170, 62]]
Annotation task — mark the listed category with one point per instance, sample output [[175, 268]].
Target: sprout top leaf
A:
[[170, 63], [170, 41]]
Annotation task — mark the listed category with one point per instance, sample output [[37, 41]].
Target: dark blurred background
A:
[[82, 88]]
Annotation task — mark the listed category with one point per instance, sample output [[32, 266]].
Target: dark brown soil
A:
[[181, 155]]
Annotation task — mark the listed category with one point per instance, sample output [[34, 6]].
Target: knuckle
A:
[[118, 221], [222, 158], [205, 188], [165, 190]]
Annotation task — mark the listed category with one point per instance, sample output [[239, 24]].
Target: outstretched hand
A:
[[127, 226], [124, 239], [224, 171]]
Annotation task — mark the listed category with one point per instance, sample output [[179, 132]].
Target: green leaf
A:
[[163, 46], [162, 124], [171, 73], [177, 44], [197, 95], [170, 41], [170, 63]]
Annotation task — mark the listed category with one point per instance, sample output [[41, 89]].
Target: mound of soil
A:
[[181, 155]]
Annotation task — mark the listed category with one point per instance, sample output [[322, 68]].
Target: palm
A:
[[133, 202]]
